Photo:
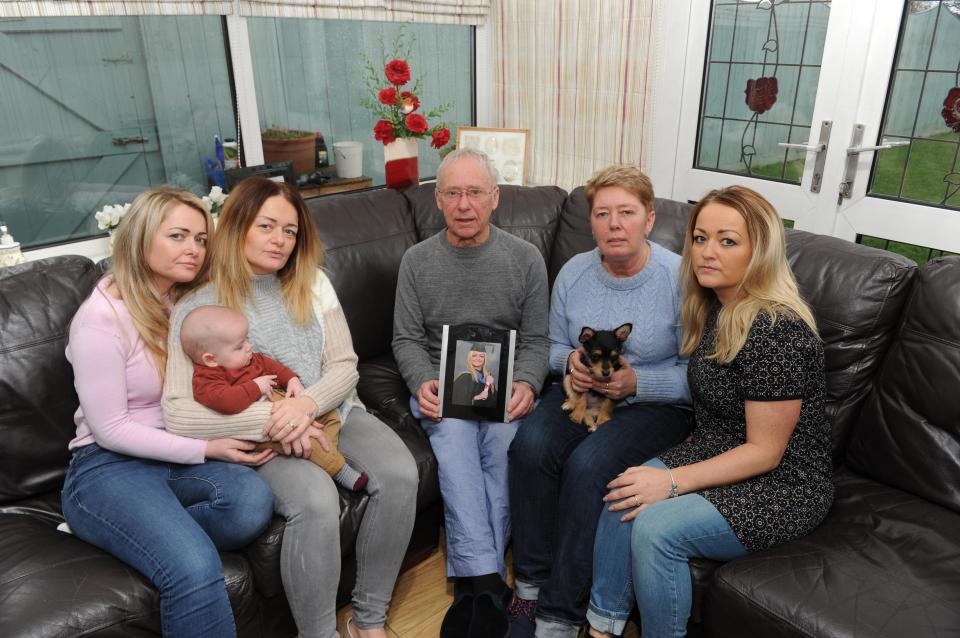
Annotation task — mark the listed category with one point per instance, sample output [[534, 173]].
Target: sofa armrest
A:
[[385, 395]]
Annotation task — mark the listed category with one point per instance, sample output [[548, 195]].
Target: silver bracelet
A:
[[674, 493]]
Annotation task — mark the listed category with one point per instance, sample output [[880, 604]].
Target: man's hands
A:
[[429, 399], [522, 400]]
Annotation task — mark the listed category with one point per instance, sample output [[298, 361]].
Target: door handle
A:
[[853, 152], [820, 149], [884, 145]]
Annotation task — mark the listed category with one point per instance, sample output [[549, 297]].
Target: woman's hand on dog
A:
[[622, 383], [636, 488]]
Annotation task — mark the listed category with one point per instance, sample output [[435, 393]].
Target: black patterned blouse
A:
[[780, 360]]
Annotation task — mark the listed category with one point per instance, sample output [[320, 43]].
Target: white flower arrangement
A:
[[108, 218], [214, 200]]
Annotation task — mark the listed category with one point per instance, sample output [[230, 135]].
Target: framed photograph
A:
[[507, 147], [476, 372], [278, 172]]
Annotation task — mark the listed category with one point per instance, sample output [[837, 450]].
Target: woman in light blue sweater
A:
[[558, 474]]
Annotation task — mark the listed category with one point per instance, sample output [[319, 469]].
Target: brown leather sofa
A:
[[886, 562]]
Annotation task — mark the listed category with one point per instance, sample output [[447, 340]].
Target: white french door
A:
[[837, 78]]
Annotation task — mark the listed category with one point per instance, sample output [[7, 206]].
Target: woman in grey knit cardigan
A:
[[264, 262]]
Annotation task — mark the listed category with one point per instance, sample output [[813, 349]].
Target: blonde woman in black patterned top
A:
[[757, 470]]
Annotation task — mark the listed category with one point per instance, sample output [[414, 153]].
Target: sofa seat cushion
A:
[[883, 564], [54, 584]]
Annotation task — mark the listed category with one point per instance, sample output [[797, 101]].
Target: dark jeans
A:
[[558, 477]]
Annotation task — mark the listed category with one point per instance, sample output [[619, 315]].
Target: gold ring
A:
[[290, 425], [636, 500], [607, 387]]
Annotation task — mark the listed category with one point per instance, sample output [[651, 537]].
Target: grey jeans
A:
[[310, 554]]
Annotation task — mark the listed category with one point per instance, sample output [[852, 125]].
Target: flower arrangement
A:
[[214, 200], [108, 217], [399, 110]]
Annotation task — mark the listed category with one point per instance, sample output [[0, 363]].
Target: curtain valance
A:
[[55, 8], [443, 11]]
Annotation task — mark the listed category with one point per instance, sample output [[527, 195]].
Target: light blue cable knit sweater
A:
[[585, 294]]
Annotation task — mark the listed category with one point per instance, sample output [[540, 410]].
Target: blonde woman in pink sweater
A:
[[164, 504]]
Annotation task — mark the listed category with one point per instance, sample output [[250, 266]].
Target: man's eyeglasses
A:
[[473, 194]]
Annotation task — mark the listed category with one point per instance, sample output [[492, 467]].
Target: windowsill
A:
[[95, 249]]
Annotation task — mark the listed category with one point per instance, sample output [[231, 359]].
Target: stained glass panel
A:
[[923, 108], [760, 85]]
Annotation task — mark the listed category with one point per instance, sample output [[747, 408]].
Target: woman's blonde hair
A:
[[132, 275], [229, 270], [629, 178], [767, 285]]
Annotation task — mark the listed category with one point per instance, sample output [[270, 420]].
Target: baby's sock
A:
[[350, 478]]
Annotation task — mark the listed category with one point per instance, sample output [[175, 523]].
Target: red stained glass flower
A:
[[417, 123], [398, 72], [761, 94], [440, 137], [951, 109], [383, 132], [388, 96]]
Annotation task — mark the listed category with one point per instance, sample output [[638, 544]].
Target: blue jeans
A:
[[558, 478], [167, 521], [472, 466], [647, 558]]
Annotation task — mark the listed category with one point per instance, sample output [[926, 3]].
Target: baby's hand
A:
[[294, 387], [266, 383]]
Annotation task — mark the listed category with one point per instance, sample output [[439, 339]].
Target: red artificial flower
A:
[[398, 72], [761, 94], [416, 123], [409, 102], [951, 109], [383, 132], [440, 137], [388, 96]]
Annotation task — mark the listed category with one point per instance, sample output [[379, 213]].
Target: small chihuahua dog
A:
[[601, 353]]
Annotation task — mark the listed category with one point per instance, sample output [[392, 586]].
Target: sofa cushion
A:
[[37, 300], [856, 328], [529, 212], [574, 235], [364, 236], [884, 564], [908, 435]]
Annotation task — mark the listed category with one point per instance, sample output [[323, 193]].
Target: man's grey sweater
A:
[[501, 284]]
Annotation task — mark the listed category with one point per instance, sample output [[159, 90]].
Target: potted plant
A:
[[281, 144]]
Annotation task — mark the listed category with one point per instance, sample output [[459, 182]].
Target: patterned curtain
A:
[[440, 11], [56, 8], [578, 74]]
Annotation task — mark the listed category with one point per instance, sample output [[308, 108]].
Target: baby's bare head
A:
[[215, 336]]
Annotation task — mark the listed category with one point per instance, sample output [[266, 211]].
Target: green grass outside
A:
[[930, 161]]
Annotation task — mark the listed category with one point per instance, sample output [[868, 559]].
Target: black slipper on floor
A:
[[456, 622], [490, 615]]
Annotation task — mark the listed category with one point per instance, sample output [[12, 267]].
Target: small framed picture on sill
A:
[[507, 147]]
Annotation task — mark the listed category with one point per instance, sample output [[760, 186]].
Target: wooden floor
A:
[[420, 600]]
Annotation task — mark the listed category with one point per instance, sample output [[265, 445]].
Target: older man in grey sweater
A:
[[472, 273]]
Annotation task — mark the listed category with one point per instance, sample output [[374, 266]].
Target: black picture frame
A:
[[277, 170], [464, 396]]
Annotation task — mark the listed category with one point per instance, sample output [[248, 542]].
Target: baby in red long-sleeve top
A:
[[228, 376]]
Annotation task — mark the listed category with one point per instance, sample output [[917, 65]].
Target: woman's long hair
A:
[[132, 274], [767, 285], [229, 270]]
